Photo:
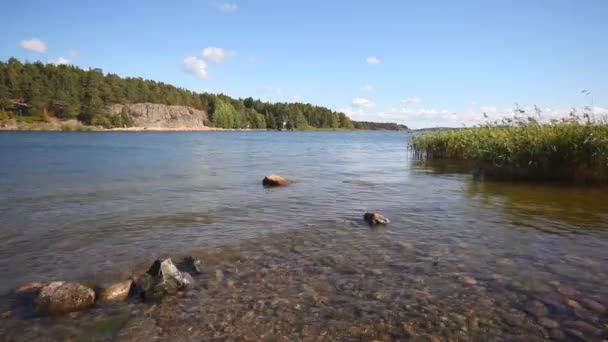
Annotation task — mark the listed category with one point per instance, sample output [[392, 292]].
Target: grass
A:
[[569, 150]]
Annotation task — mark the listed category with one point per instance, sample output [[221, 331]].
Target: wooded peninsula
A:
[[39, 92]]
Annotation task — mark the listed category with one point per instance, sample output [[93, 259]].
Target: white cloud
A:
[[59, 61], [34, 45], [73, 53], [362, 102], [273, 89], [373, 60], [195, 66], [216, 54], [367, 88], [228, 7], [411, 101]]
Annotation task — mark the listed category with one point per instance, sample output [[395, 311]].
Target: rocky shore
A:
[[314, 284]]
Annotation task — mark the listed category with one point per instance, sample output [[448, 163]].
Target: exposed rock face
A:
[[374, 219], [162, 279], [273, 181], [116, 292], [162, 116], [61, 297]]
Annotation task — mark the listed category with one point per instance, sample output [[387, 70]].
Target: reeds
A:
[[572, 150]]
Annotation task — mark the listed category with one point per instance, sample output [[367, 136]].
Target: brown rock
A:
[[567, 291], [62, 297], [468, 280], [30, 288], [593, 305], [548, 323], [116, 292], [583, 327], [273, 181], [537, 309], [375, 219]]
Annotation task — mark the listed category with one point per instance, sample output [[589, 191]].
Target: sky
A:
[[420, 63]]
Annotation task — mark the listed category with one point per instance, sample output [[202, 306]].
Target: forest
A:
[[40, 91]]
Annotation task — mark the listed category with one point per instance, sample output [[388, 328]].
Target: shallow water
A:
[[461, 259]]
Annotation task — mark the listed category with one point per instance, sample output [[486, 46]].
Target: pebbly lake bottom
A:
[[322, 283]]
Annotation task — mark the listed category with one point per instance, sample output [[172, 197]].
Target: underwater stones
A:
[[117, 292], [274, 181], [374, 219], [62, 297]]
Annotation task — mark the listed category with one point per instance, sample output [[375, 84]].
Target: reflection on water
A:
[[462, 259]]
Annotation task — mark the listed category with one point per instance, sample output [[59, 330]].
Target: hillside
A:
[[44, 91]]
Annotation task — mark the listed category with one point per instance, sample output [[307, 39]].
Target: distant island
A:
[[65, 97]]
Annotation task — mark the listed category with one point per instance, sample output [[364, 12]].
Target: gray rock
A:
[[62, 297], [375, 219], [163, 278], [161, 116], [198, 266]]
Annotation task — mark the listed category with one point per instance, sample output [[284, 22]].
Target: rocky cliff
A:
[[162, 116]]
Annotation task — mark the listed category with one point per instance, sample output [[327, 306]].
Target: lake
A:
[[461, 259]]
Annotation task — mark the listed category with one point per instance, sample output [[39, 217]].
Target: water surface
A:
[[461, 258]]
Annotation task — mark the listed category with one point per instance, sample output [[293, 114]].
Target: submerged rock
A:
[[375, 219], [116, 292], [63, 297], [163, 278], [273, 181], [29, 288]]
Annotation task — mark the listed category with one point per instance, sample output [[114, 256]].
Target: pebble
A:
[[567, 291], [574, 304], [583, 327], [537, 309], [593, 305], [548, 323], [468, 280]]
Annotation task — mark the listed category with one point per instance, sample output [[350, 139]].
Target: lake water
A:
[[461, 259]]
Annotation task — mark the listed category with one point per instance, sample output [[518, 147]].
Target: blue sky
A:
[[421, 63]]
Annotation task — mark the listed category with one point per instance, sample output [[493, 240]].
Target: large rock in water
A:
[[161, 116], [374, 219], [62, 297], [274, 180], [163, 278]]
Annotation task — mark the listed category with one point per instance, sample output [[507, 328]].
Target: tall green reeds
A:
[[571, 150]]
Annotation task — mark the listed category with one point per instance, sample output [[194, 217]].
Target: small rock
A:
[[593, 305], [375, 219], [231, 284], [548, 323], [198, 266], [537, 309], [468, 280], [62, 297], [583, 327], [30, 288], [274, 181], [116, 292], [219, 275], [567, 291], [574, 304]]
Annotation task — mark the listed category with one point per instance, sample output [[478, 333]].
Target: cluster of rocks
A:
[[59, 297], [373, 219]]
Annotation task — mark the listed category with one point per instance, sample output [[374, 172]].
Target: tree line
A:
[[69, 92]]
